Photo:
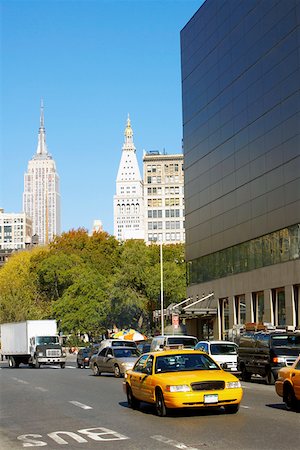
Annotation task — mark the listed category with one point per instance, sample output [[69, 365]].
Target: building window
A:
[[240, 309], [279, 310], [258, 307], [224, 316], [260, 252]]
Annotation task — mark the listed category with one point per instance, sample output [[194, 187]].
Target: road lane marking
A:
[[245, 407], [173, 443], [20, 381], [41, 389], [70, 367], [80, 405]]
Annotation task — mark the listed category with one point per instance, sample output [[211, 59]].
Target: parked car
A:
[[181, 379], [266, 352], [116, 343], [114, 360], [144, 346], [84, 355], [225, 353], [287, 385], [172, 341]]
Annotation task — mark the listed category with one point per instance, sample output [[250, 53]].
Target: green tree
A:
[[20, 298], [83, 306]]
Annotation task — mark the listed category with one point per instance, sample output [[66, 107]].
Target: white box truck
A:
[[33, 342]]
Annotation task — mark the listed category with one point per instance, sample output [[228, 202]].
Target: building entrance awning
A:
[[204, 306]]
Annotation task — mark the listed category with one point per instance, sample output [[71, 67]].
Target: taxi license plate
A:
[[211, 398]]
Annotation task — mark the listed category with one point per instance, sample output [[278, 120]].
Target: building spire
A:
[[42, 147], [128, 134]]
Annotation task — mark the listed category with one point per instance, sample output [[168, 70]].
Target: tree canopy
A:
[[91, 283]]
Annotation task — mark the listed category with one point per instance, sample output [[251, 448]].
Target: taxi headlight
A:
[[178, 388], [233, 384]]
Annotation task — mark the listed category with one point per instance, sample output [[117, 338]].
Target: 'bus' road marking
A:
[[41, 389], [80, 405], [175, 444]]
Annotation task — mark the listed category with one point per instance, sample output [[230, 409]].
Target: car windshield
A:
[[123, 344], [285, 340], [185, 341], [126, 353], [184, 362], [223, 349]]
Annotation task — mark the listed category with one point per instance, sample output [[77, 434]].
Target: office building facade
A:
[[164, 198], [41, 197], [241, 125], [15, 231]]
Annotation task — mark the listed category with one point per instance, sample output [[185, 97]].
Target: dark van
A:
[[264, 353]]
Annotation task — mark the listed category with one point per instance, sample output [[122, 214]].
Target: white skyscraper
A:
[[41, 197], [128, 201]]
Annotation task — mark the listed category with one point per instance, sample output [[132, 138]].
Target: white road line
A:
[[175, 444], [245, 407], [80, 405], [20, 381], [70, 367], [41, 389]]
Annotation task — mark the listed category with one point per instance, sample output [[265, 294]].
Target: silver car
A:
[[114, 360]]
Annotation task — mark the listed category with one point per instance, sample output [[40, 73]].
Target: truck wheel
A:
[[246, 376], [11, 362], [62, 365]]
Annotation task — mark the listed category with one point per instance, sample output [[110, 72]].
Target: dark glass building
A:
[[241, 125]]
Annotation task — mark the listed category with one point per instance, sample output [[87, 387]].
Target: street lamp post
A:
[[161, 289]]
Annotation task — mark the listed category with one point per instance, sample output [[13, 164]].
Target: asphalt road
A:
[[55, 408]]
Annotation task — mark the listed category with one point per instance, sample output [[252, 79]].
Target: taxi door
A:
[[146, 381], [136, 378], [295, 376]]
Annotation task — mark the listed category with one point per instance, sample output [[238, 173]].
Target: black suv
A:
[[84, 356], [264, 353]]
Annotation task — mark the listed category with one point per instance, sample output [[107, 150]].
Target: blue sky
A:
[[92, 62]]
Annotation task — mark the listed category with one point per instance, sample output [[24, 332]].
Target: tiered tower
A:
[[128, 201], [41, 197]]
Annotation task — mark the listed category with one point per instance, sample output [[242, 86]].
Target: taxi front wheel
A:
[[131, 400], [231, 409], [161, 409]]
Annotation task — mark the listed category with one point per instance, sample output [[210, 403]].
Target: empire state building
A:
[[41, 197]]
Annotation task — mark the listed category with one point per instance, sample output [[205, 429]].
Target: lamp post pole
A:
[[161, 289]]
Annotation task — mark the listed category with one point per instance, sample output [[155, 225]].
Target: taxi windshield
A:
[[184, 362]]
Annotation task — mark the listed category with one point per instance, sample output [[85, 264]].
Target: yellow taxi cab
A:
[[287, 385], [181, 379]]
